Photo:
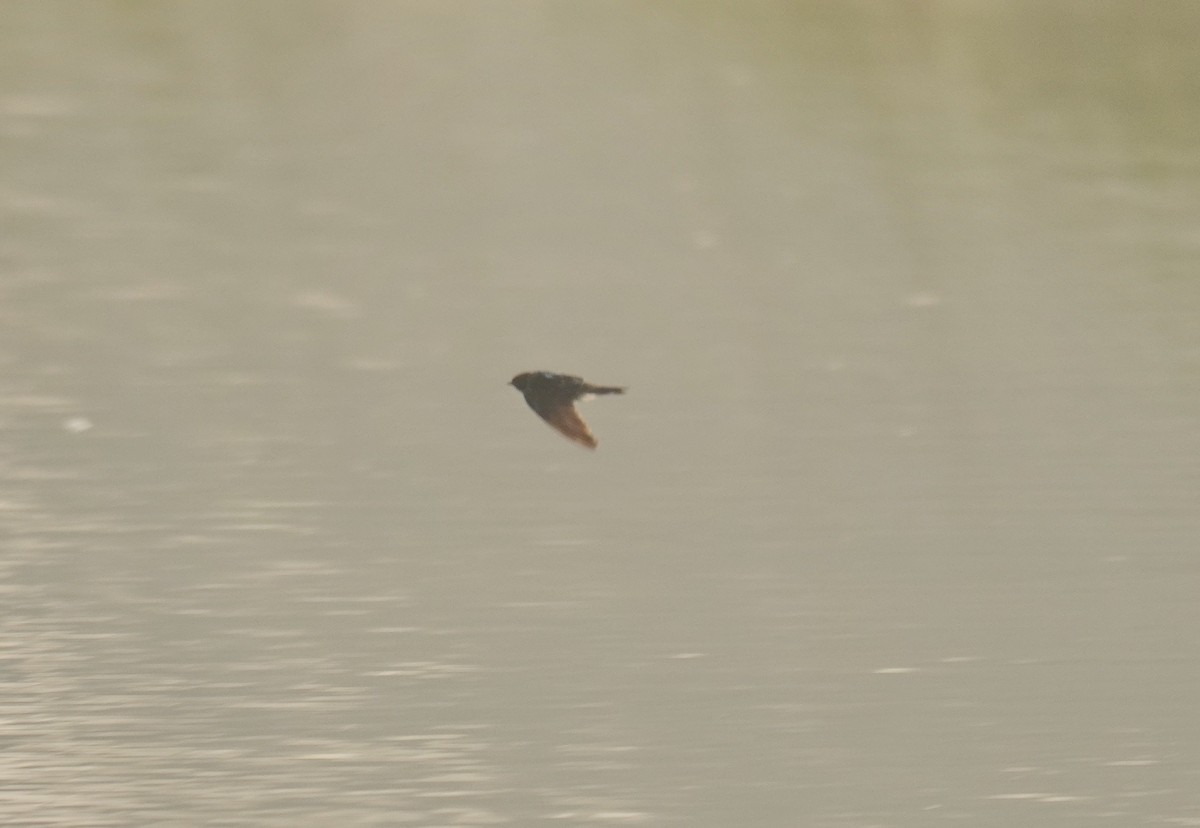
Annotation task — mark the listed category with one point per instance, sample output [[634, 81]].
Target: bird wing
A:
[[566, 420]]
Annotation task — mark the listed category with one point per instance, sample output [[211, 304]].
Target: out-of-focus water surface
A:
[[897, 525]]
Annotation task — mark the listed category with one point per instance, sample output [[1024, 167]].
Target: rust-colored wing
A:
[[566, 420]]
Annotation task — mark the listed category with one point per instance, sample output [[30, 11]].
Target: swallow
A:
[[553, 396]]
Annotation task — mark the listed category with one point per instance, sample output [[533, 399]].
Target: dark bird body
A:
[[553, 396]]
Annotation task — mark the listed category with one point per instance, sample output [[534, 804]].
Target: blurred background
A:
[[897, 524]]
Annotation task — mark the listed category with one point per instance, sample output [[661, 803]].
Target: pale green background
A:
[[897, 525]]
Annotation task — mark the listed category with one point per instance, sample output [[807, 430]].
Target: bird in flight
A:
[[553, 396]]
